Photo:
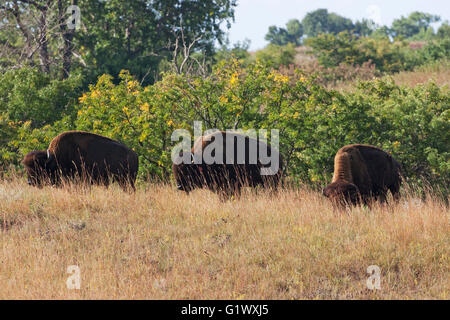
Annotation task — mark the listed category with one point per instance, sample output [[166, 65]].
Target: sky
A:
[[253, 17]]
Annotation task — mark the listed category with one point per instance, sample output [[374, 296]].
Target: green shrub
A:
[[333, 50], [27, 94], [30, 103], [411, 123], [276, 55]]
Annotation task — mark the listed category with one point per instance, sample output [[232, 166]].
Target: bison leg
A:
[[382, 197], [126, 183], [105, 181], [131, 185], [237, 189], [229, 191]]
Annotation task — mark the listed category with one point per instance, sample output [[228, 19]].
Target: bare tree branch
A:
[[185, 51]]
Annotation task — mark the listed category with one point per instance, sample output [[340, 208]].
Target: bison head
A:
[[188, 176], [342, 193], [40, 167]]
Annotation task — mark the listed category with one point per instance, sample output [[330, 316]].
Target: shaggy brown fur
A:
[[85, 156], [363, 173], [229, 177]]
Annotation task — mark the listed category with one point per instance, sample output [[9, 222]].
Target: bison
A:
[[224, 162], [82, 155], [363, 173]]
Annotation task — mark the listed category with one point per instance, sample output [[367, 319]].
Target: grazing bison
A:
[[225, 162], [82, 155], [363, 173]]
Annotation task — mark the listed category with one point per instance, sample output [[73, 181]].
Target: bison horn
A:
[[50, 163], [192, 158]]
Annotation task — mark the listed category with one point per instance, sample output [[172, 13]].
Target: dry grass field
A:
[[438, 72], [162, 244]]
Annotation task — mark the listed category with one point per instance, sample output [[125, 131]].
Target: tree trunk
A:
[[43, 42], [67, 36]]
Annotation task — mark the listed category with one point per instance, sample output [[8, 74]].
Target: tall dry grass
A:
[[162, 244], [438, 72]]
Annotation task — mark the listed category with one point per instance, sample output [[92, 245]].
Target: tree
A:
[[381, 33], [315, 22], [363, 28], [413, 24], [320, 21], [282, 36], [138, 34], [337, 23], [444, 31], [238, 51], [277, 36], [35, 33], [294, 31], [114, 34]]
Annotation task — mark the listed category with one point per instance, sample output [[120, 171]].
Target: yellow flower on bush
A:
[[170, 123], [142, 137], [145, 107], [82, 99], [283, 79], [223, 99], [132, 84], [234, 78], [97, 124], [277, 77], [396, 144]]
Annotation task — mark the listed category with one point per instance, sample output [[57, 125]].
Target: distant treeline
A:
[[417, 26]]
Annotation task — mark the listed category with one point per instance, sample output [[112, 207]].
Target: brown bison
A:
[[225, 162], [363, 173], [82, 155]]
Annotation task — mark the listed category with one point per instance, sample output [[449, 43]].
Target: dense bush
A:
[[28, 94], [387, 56], [276, 55], [30, 99], [332, 77], [413, 123], [314, 122]]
